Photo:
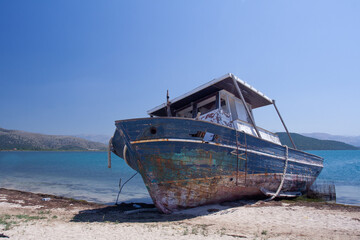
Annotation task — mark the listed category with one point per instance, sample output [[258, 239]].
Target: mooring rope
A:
[[283, 176], [110, 148], [237, 158], [121, 187]]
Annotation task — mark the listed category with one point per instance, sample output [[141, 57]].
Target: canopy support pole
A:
[[284, 124], [246, 107]]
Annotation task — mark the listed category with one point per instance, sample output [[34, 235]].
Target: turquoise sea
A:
[[84, 175], [79, 175]]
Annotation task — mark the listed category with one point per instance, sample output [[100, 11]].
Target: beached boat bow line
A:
[[204, 147]]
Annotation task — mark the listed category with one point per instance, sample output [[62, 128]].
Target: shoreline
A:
[[53, 150], [25, 215]]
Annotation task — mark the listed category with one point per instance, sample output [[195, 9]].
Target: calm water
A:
[[343, 169], [79, 175], [84, 175]]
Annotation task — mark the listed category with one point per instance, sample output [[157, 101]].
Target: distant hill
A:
[[20, 140], [102, 138], [308, 143], [352, 140]]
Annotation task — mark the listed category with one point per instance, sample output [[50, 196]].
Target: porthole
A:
[[153, 130]]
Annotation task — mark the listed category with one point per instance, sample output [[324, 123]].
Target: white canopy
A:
[[252, 96]]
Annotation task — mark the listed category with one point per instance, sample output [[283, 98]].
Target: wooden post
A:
[[246, 107], [194, 110], [168, 110], [217, 101], [284, 124]]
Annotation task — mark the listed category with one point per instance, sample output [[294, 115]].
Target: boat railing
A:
[[249, 128], [223, 118], [217, 116]]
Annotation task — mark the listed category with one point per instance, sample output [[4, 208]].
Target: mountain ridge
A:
[[352, 140], [309, 143], [21, 140], [101, 138]]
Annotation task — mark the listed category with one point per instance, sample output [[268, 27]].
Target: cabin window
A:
[[185, 113], [238, 110], [233, 108], [223, 105], [224, 102], [241, 111], [207, 105]]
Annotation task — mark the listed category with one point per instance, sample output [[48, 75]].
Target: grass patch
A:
[[27, 217], [303, 198], [72, 200], [45, 212], [9, 220], [6, 216], [6, 221], [222, 231], [186, 231], [204, 229], [200, 228], [194, 231]]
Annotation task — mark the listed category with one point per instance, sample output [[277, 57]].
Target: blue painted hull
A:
[[182, 167]]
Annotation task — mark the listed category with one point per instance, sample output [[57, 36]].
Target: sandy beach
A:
[[26, 215]]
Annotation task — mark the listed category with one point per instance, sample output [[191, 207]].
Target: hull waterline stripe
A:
[[224, 145]]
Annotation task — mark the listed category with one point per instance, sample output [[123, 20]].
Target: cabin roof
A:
[[252, 96]]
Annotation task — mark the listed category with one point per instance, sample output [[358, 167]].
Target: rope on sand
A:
[[283, 176]]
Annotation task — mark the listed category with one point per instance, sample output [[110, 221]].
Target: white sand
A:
[[251, 221]]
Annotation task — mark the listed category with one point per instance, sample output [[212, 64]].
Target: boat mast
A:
[[273, 101], [246, 107]]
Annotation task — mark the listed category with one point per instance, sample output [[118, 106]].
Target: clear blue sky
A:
[[70, 67]]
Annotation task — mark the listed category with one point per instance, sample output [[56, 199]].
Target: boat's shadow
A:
[[148, 213]]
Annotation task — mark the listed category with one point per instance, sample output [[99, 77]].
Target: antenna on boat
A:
[[168, 104]]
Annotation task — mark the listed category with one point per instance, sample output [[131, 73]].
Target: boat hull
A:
[[186, 162]]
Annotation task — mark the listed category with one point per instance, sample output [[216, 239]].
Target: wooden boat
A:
[[204, 147]]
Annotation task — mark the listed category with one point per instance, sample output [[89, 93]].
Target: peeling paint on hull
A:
[[181, 170]]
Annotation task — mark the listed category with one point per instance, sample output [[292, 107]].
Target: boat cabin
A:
[[221, 101]]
